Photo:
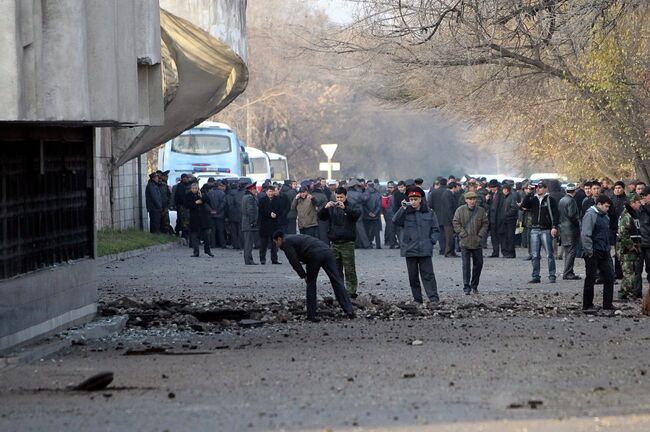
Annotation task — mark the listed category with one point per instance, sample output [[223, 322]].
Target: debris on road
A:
[[96, 382]]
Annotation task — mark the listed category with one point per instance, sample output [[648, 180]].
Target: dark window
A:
[[46, 197], [201, 144]]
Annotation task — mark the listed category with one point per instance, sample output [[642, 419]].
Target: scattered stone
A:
[[417, 342], [408, 375], [96, 382]]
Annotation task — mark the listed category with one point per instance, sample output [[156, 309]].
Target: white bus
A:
[[210, 149], [259, 166], [279, 167]]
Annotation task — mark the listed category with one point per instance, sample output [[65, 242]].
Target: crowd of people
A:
[[333, 218]]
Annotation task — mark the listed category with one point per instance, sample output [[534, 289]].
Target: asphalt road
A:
[[544, 367]]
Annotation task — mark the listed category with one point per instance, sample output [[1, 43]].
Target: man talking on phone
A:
[[342, 218]]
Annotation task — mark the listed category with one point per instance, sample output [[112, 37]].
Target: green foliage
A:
[[114, 241]]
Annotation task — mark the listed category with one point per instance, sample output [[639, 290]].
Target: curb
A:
[[94, 330], [136, 252]]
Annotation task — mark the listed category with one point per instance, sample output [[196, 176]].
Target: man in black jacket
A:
[[544, 222], [341, 232], [315, 254], [154, 202], [269, 217], [441, 201]]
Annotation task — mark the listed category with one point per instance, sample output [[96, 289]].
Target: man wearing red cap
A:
[[420, 232]]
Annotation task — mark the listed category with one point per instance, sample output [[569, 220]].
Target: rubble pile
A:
[[248, 313]]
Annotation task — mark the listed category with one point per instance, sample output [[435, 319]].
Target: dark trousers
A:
[[422, 267], [248, 238], [323, 227], [155, 219], [507, 238], [310, 231], [362, 239], [291, 226], [235, 234], [448, 236], [327, 262], [569, 258], [165, 225], [264, 245], [220, 232], [494, 238], [442, 240], [599, 261], [390, 237], [195, 240], [471, 270], [373, 231]]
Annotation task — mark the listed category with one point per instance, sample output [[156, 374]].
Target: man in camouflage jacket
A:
[[629, 239]]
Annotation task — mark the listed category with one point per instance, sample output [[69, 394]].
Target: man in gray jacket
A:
[[249, 226], [420, 232], [372, 214], [569, 230], [154, 203], [471, 224]]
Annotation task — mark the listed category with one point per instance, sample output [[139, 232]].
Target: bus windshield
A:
[[257, 166], [201, 144], [279, 169]]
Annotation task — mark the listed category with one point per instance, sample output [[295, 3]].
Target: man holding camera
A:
[[341, 218], [420, 232]]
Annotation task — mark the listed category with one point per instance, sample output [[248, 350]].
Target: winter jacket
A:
[[629, 236], [199, 213], [569, 220], [268, 224], [217, 203], [644, 225], [398, 197], [165, 194], [179, 194], [306, 210], [303, 248], [420, 231], [471, 233], [507, 209], [342, 222], [153, 197], [372, 204], [441, 201], [595, 231], [249, 212], [543, 213], [234, 198], [290, 194]]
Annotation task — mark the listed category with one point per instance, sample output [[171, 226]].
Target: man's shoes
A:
[[510, 256], [354, 295], [351, 315], [210, 254], [276, 262], [251, 263], [589, 310], [534, 281], [571, 277], [528, 258], [263, 262], [452, 255], [493, 256], [551, 280], [468, 292], [474, 291], [313, 319], [194, 255]]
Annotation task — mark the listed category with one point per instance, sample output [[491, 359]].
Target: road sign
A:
[[326, 166], [329, 149]]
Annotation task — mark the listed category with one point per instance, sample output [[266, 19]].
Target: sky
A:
[[340, 11]]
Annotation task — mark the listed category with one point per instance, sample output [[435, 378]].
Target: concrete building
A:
[[86, 86]]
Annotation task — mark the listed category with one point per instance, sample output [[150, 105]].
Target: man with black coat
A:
[[154, 202], [165, 194], [341, 218], [182, 213], [544, 222], [249, 221], [217, 198], [493, 199], [356, 198], [372, 214], [289, 191], [233, 213], [315, 254], [569, 230], [507, 214], [269, 217], [199, 222], [441, 201]]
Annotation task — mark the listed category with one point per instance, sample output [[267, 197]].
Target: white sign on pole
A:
[[325, 166], [329, 149]]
